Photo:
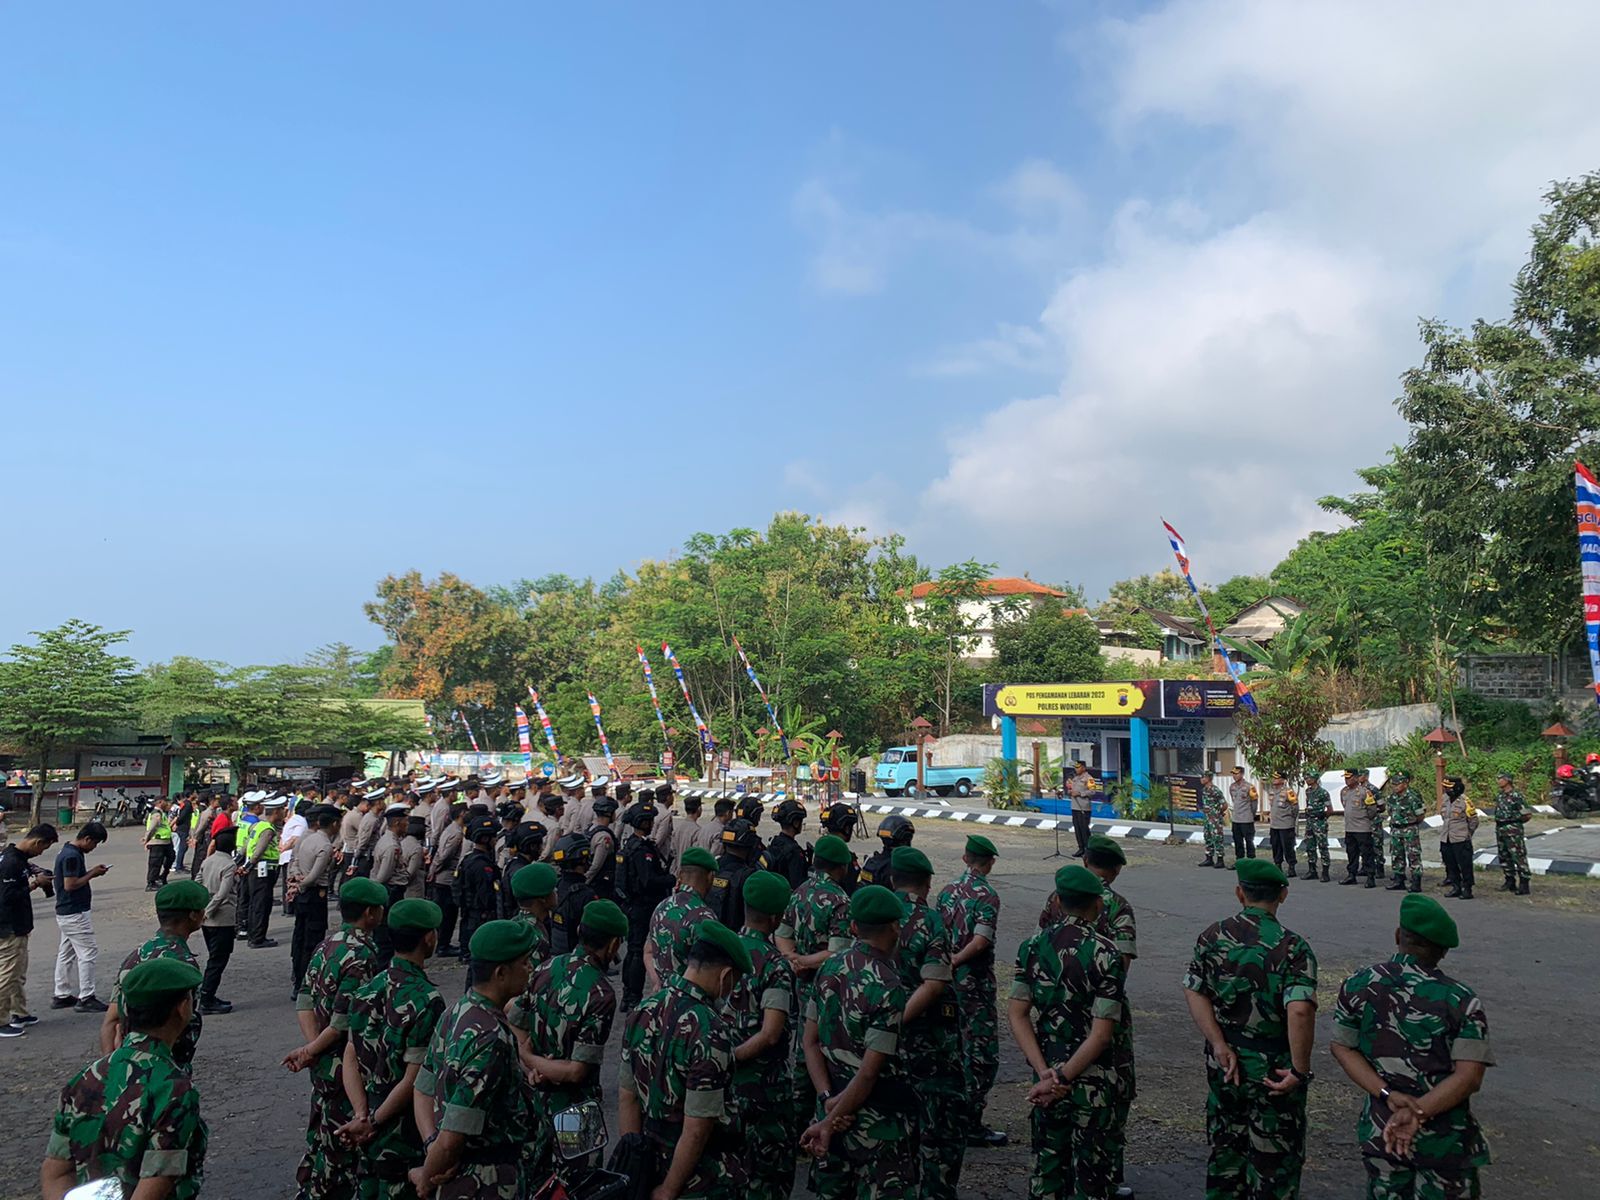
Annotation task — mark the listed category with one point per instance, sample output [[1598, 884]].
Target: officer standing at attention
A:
[[385, 862], [764, 1008], [740, 846], [371, 827], [527, 848], [710, 837], [1242, 799], [664, 830], [931, 1036], [551, 815], [1105, 861], [478, 877], [603, 849], [1510, 815], [562, 1022], [470, 1098], [784, 855], [1318, 804], [391, 1022], [1365, 778], [180, 909], [673, 924], [677, 1057], [1360, 811], [1072, 977], [535, 901], [1252, 992], [1214, 808], [311, 871], [970, 908], [686, 830], [1405, 827], [1081, 788], [892, 831], [1283, 817], [642, 881], [134, 1115], [261, 870], [410, 874], [1417, 1042], [853, 1056], [442, 874], [573, 893]]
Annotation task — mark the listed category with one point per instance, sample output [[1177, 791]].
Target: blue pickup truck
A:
[[897, 775]]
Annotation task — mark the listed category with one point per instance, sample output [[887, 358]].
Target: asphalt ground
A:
[[1532, 960]]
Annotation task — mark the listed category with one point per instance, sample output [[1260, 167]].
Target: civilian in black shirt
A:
[[18, 878], [76, 958]]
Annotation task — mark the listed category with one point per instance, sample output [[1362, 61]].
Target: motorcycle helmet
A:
[[1565, 771], [897, 831], [571, 851], [750, 809], [641, 816], [840, 819], [788, 813], [740, 835], [1590, 759]]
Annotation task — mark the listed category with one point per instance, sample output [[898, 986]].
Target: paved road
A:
[[1532, 960]]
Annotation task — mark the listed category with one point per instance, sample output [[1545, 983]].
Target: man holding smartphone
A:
[[79, 950]]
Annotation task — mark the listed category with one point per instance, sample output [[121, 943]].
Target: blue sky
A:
[[290, 299]]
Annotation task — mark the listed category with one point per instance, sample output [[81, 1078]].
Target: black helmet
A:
[[552, 800], [481, 827], [840, 819], [529, 838], [509, 810], [640, 814], [897, 831], [740, 834], [604, 806], [788, 812], [571, 850], [750, 809]]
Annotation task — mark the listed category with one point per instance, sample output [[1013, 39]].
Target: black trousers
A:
[[445, 898], [219, 949], [310, 927], [160, 862], [1358, 848], [633, 965], [1282, 846], [261, 892], [1457, 858], [1244, 839], [1080, 828]]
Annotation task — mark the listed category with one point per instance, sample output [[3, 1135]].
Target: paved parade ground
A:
[[1532, 960]]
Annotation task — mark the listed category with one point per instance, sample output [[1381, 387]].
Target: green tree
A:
[[954, 609], [1165, 590], [1298, 647], [63, 692], [1048, 645], [1284, 737]]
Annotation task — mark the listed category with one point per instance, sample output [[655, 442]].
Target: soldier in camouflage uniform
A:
[[1417, 1042], [1318, 805], [677, 1058], [1405, 832], [471, 1096], [562, 1023], [765, 1006], [815, 926], [391, 1021], [970, 909], [673, 924], [1214, 808], [180, 907], [931, 1036], [1252, 991], [1105, 860], [135, 1114], [1510, 815], [1072, 977], [340, 965], [535, 898], [1364, 779]]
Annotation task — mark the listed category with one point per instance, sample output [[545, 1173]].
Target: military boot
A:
[[1207, 862], [1522, 886], [1371, 882], [1465, 893], [1397, 884], [1221, 865], [1510, 885], [1325, 878], [1452, 888], [1311, 872], [1416, 883]]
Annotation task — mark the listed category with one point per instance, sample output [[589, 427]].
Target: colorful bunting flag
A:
[[771, 712], [649, 682], [1589, 564], [1246, 700], [524, 738], [544, 723], [707, 743], [460, 716], [594, 707]]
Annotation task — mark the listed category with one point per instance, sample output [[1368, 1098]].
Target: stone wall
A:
[[1526, 677], [1372, 729]]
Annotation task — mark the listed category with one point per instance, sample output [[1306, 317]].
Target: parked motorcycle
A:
[[580, 1137]]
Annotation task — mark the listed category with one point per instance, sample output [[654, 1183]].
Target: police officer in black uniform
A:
[[571, 858], [740, 848], [892, 831], [784, 854], [603, 852], [527, 846], [642, 881], [510, 814], [478, 879]]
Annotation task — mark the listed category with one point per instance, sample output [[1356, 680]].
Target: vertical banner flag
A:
[[1239, 685], [544, 723], [707, 742], [462, 717], [524, 738], [432, 737], [594, 707], [771, 712], [649, 682], [1589, 563]]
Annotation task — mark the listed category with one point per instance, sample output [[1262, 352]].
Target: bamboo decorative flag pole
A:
[[771, 712], [544, 723], [708, 744], [649, 682], [594, 707]]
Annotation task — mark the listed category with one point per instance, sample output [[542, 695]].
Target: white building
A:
[[999, 597]]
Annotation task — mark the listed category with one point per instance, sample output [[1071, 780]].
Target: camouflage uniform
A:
[[344, 961], [1214, 808], [763, 1091], [1405, 833], [817, 919], [677, 1054], [1252, 968], [1510, 815], [931, 1050], [1072, 976], [543, 949], [131, 1115], [1413, 1025], [1117, 925], [391, 1021], [971, 906], [163, 945], [566, 1012], [1318, 805], [858, 1004], [476, 1083], [672, 927]]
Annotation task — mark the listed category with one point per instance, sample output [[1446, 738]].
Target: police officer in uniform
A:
[[477, 889], [642, 881], [726, 897], [892, 831], [784, 855], [527, 848], [571, 857], [603, 849]]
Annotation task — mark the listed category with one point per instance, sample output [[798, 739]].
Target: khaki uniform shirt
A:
[[710, 835], [1358, 813], [1244, 808], [1458, 827], [1080, 788], [1283, 811], [685, 833], [349, 830]]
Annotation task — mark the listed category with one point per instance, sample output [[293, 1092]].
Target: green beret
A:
[[1259, 870], [1426, 917], [909, 861], [1108, 846], [602, 916], [502, 941], [534, 880], [415, 914], [977, 844], [158, 979], [831, 849], [726, 940], [184, 896], [874, 905], [1078, 881], [364, 891], [698, 856], [766, 892]]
